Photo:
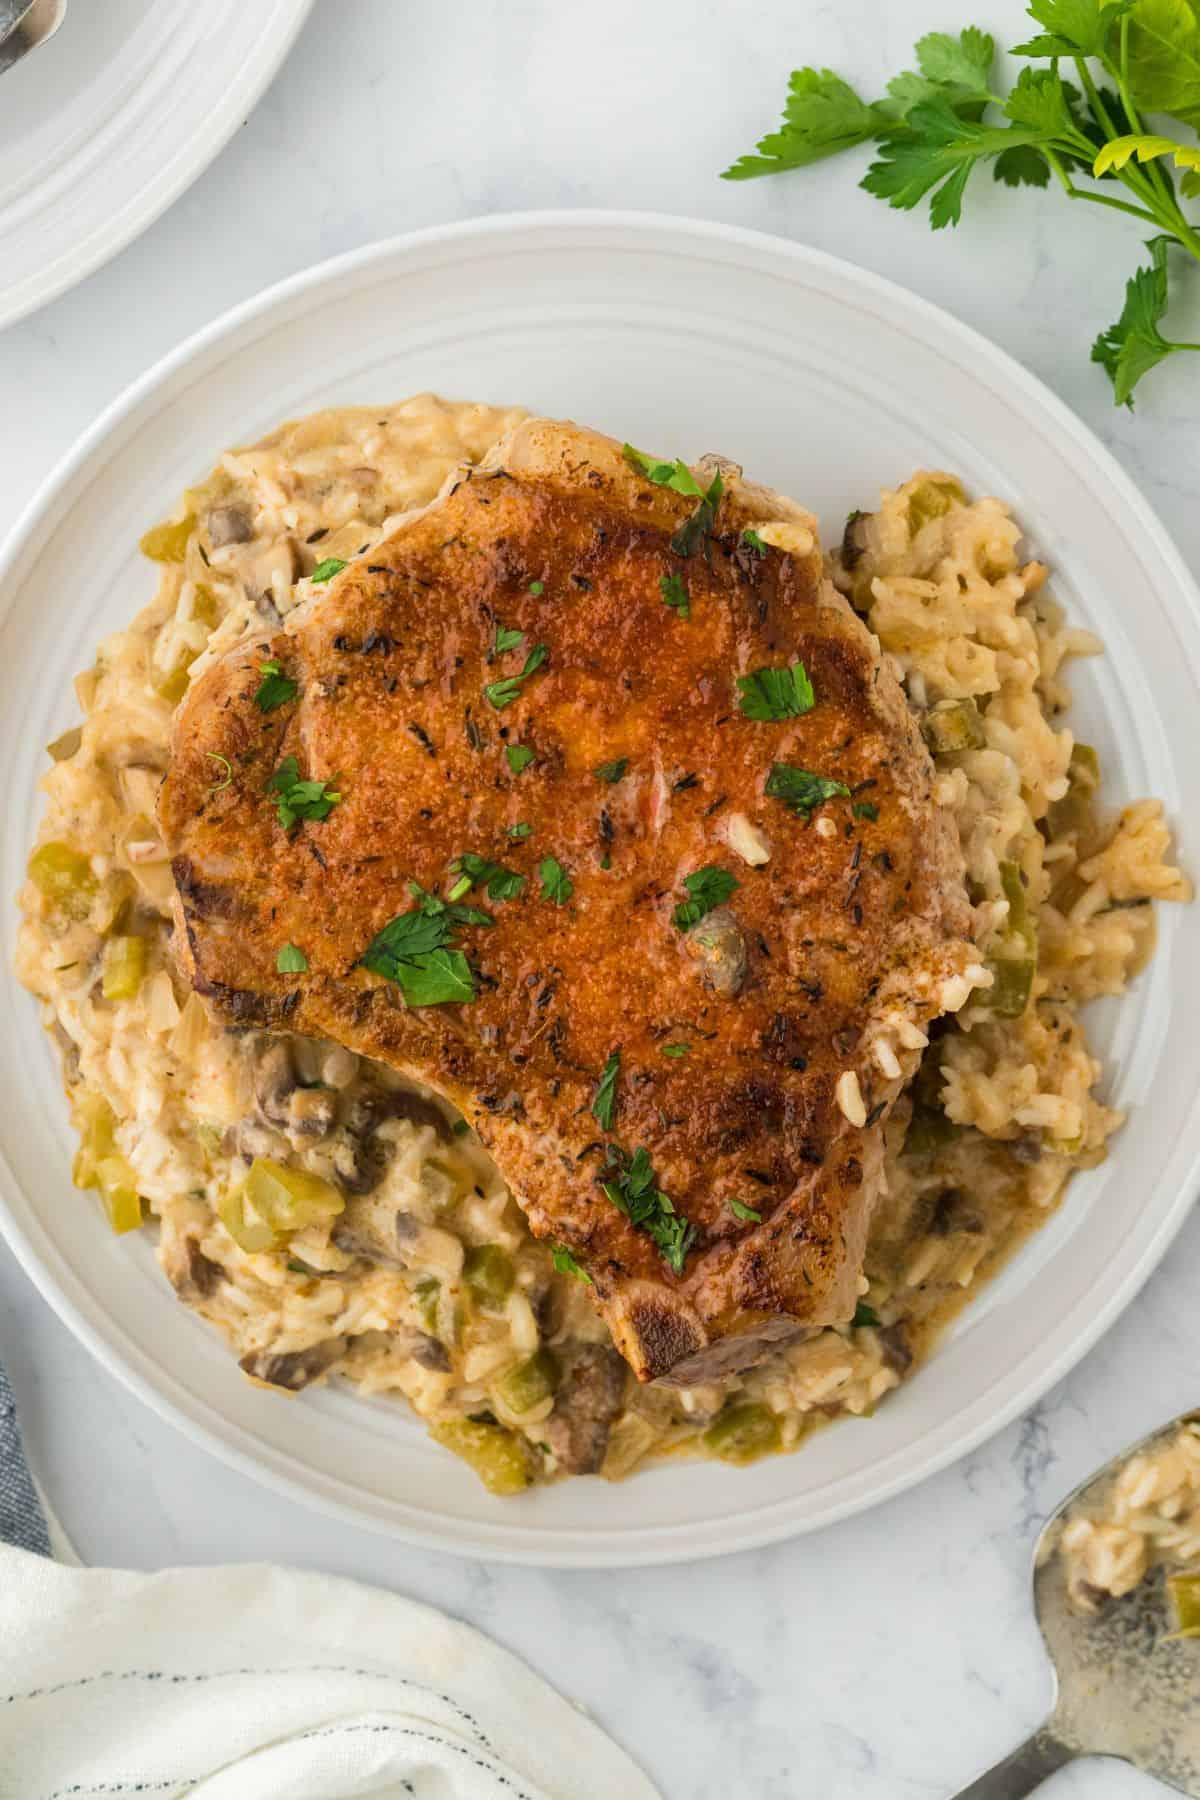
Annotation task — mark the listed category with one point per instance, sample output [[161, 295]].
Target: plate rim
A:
[[164, 188], [265, 1464]]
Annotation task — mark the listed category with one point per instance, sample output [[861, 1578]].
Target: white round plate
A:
[[107, 123], [827, 383]]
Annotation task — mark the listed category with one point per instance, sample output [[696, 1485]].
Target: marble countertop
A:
[[893, 1655]]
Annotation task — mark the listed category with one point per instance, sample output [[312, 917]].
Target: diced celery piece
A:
[[1012, 980], [96, 1126], [743, 1433], [122, 1202], [174, 686], [1074, 811], [953, 725], [530, 1382], [489, 1273], [254, 1235], [426, 1293], [168, 543], [1184, 1590], [498, 1457], [1019, 919], [929, 1130], [124, 966], [930, 500], [64, 877]]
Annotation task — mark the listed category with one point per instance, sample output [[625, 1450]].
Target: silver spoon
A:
[[1122, 1688], [24, 24]]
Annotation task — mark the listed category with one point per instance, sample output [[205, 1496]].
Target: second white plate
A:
[[826, 383]]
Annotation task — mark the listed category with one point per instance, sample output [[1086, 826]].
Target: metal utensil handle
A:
[[1023, 1772]]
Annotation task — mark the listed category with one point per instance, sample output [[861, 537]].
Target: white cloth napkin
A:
[[259, 1683]]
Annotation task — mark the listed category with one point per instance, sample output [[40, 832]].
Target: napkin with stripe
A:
[[254, 1683]]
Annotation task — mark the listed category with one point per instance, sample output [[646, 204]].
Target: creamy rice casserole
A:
[[238, 1149]]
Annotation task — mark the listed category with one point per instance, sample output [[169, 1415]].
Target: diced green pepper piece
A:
[[64, 877], [1185, 1597], [1019, 919], [929, 1130], [953, 725], [168, 543], [426, 1293], [123, 968], [498, 1457], [1074, 811], [290, 1199], [488, 1272], [1012, 981], [930, 500], [743, 1433], [530, 1382]]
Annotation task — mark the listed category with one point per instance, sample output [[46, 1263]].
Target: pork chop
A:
[[591, 861]]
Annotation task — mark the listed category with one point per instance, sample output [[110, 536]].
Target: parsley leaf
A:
[[676, 475], [1022, 166], [300, 799], [503, 693], [537, 587], [416, 951], [865, 809], [291, 960], [675, 594], [864, 1315], [605, 1100], [776, 693], [518, 757], [275, 689], [473, 871], [565, 1263], [708, 888], [1134, 345], [634, 1190], [754, 541], [325, 571], [1073, 27], [506, 639], [519, 831], [612, 772], [800, 790], [676, 1049], [740, 1210], [822, 115], [1164, 58], [556, 883]]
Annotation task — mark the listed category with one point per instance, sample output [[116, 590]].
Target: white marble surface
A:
[[895, 1654]]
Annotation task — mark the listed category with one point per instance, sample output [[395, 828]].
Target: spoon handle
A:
[[1022, 1772]]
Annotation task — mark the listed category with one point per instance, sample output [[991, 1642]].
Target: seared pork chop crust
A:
[[857, 916]]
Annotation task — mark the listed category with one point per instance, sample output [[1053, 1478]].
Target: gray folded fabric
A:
[[22, 1521]]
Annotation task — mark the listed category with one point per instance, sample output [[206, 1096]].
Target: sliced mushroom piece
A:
[[193, 1275], [431, 1353], [382, 1233], [718, 945], [282, 1101], [953, 1211], [361, 1156], [895, 1348], [229, 525], [293, 1369], [589, 1400]]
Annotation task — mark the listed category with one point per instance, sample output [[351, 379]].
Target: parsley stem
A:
[[1135, 212]]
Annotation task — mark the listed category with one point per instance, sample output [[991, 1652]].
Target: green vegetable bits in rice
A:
[[330, 1220]]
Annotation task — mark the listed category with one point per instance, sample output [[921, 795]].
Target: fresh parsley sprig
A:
[[940, 122], [707, 889], [633, 1189], [776, 693], [297, 799], [417, 951], [605, 1098], [696, 530], [800, 790]]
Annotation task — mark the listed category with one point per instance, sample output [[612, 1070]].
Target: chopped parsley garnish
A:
[[565, 1263], [518, 757], [740, 1210], [506, 639], [754, 541], [865, 809], [300, 799], [800, 790], [864, 1315], [275, 689], [605, 1099], [633, 1190], [676, 475], [708, 887], [475, 871], [416, 950], [776, 693], [556, 883], [537, 587], [612, 772], [291, 960], [676, 1049], [503, 693], [673, 591], [460, 1128], [519, 831], [325, 571], [224, 763]]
